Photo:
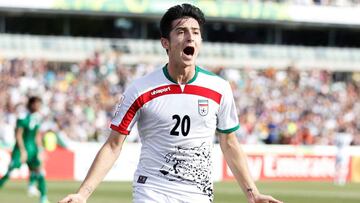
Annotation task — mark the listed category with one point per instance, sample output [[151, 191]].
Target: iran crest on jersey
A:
[[203, 107]]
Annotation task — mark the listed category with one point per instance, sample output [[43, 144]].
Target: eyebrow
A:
[[184, 28]]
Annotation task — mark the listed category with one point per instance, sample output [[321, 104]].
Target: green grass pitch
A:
[[225, 192]]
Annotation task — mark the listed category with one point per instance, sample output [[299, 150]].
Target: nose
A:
[[190, 37]]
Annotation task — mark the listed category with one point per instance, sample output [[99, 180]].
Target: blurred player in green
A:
[[27, 148]]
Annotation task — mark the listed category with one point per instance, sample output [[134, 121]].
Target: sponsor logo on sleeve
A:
[[121, 101]]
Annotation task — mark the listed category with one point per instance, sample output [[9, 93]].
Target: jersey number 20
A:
[[185, 125]]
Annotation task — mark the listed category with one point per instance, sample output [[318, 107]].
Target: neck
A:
[[181, 74]]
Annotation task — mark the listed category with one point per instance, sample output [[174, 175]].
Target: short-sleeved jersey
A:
[[30, 123], [176, 125]]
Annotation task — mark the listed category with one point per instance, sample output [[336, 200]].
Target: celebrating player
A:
[[178, 109], [26, 149]]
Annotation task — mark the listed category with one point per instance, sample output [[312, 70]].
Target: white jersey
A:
[[176, 125]]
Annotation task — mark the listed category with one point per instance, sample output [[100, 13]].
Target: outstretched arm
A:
[[103, 162], [236, 159]]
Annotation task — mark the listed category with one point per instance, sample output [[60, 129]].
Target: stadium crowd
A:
[[275, 106], [295, 107]]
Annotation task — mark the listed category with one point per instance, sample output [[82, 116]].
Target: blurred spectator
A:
[[275, 106], [78, 98], [295, 107]]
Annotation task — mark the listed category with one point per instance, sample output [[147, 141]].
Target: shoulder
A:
[[22, 115], [211, 76], [146, 82], [211, 80], [205, 71], [22, 119]]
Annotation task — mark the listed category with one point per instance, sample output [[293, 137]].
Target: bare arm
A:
[[103, 162], [20, 143], [38, 140], [236, 159]]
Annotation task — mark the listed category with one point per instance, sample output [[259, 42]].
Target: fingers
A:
[[73, 198], [273, 200], [266, 199], [67, 199]]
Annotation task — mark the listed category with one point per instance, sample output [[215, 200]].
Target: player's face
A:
[[184, 41]]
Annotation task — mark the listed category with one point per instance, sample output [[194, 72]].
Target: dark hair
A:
[[31, 101], [179, 11]]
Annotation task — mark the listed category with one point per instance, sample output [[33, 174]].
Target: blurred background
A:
[[294, 66]]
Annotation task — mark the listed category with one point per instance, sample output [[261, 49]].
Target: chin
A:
[[188, 62]]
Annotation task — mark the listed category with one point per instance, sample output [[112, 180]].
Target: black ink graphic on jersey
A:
[[190, 165]]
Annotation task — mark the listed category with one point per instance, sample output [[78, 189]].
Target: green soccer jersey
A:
[[30, 123]]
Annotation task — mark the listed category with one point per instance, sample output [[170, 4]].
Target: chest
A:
[[180, 112]]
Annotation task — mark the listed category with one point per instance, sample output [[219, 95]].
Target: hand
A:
[[260, 198], [23, 156], [73, 198]]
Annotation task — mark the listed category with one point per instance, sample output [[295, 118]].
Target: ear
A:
[[165, 43]]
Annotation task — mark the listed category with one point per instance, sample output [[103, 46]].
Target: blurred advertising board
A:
[[289, 168], [355, 165], [297, 163], [59, 165], [226, 10]]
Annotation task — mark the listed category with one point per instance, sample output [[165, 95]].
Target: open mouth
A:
[[189, 51]]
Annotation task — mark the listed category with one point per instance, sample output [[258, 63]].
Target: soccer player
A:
[[178, 109], [342, 142], [26, 149]]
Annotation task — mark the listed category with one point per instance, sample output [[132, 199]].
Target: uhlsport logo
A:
[[159, 91], [203, 107]]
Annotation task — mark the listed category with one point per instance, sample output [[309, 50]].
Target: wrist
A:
[[85, 192], [82, 195], [251, 193]]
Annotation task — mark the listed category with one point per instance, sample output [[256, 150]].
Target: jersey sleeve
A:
[[227, 118], [126, 113], [21, 121]]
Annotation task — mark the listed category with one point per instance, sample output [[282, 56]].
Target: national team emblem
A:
[[203, 107]]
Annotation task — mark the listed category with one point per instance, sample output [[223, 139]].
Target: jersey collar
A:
[[167, 75]]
